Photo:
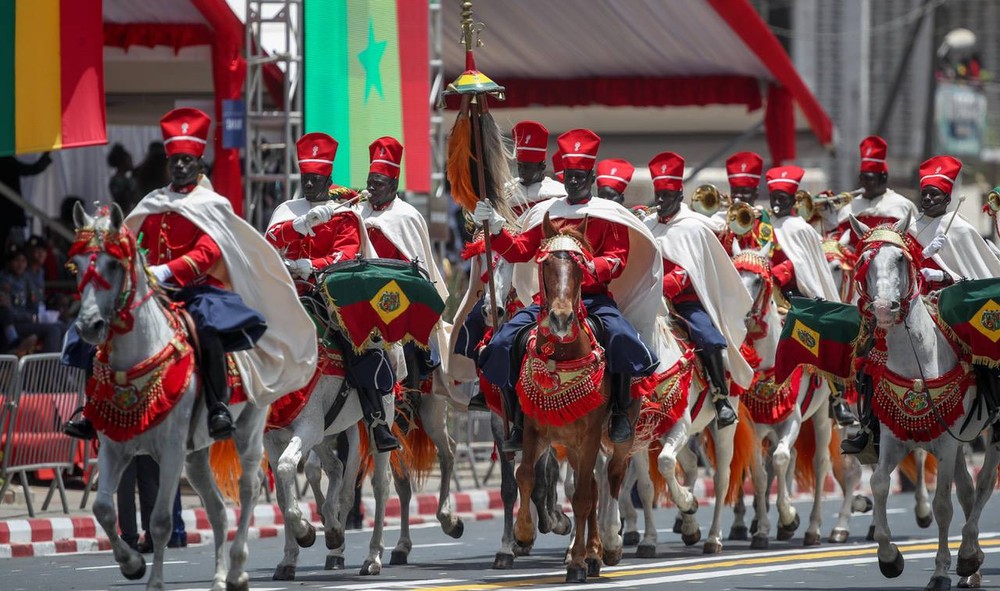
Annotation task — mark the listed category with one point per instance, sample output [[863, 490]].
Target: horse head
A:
[[841, 263], [754, 267], [503, 283], [561, 259], [886, 273], [103, 258]]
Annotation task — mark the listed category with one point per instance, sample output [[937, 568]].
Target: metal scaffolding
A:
[[271, 130], [439, 148]]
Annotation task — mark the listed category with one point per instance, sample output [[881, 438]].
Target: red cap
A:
[[744, 169], [316, 153], [386, 154], [557, 165], [614, 173], [185, 131], [940, 172], [530, 140], [667, 170], [873, 151], [579, 148], [784, 178]]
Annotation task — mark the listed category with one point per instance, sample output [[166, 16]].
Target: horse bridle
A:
[[871, 244], [761, 266], [559, 246]]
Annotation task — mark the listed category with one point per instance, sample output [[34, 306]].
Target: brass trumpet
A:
[[707, 199], [808, 207], [740, 217], [993, 202]]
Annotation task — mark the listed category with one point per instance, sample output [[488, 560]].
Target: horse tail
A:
[[560, 450], [367, 465], [805, 451], [418, 452], [836, 465], [745, 446], [226, 468], [660, 492]]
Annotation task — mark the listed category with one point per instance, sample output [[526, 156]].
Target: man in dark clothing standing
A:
[[11, 214]]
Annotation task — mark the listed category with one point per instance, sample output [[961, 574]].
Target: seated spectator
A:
[[58, 283], [28, 313], [123, 185], [11, 342]]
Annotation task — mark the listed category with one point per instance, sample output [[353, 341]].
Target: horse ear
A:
[[737, 249], [582, 228], [859, 227], [80, 217], [548, 229], [116, 217], [765, 251], [904, 224]]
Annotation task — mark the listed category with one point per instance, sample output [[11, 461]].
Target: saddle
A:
[[521, 341]]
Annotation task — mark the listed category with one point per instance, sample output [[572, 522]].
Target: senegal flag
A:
[[819, 334], [971, 310], [385, 297], [367, 76], [51, 75]]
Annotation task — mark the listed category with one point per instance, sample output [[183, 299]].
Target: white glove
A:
[[932, 274], [161, 272], [484, 214], [301, 225], [301, 268], [936, 244], [320, 214]]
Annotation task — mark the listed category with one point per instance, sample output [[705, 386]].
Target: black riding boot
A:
[[478, 402], [870, 428], [374, 414], [839, 409], [215, 389], [620, 428], [716, 370], [516, 439], [80, 428]]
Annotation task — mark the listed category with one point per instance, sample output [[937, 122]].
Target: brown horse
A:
[[564, 393]]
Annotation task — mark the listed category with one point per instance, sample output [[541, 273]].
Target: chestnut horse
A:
[[564, 398]]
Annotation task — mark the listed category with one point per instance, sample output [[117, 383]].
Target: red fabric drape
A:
[[631, 91], [779, 124], [125, 35]]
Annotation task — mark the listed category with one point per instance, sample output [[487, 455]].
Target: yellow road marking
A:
[[699, 566]]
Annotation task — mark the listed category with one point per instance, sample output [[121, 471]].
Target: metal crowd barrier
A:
[[42, 394]]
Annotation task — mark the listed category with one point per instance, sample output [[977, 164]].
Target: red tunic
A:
[[173, 240], [336, 240], [383, 246], [608, 240], [677, 285]]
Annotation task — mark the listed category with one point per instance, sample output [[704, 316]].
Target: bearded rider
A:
[[212, 260], [314, 232], [699, 279], [617, 237]]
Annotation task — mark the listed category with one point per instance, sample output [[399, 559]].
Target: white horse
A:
[[112, 285], [917, 352]]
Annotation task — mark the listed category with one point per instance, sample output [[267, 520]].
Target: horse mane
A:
[[579, 236]]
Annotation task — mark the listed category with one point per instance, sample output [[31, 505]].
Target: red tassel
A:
[[473, 249]]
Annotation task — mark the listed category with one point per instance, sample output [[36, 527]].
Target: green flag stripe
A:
[[327, 96], [8, 16]]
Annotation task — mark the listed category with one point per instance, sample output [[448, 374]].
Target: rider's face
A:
[[183, 169], [578, 183], [315, 187]]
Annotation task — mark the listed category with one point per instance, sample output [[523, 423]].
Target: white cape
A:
[[688, 240], [282, 361], [521, 196], [802, 245], [638, 291], [965, 254], [889, 204]]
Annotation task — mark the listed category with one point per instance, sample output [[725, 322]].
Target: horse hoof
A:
[[576, 574], [753, 526], [645, 551], [871, 534], [523, 549], [894, 567], [370, 567], [739, 533], [678, 525], [593, 567], [759, 542], [564, 526], [712, 548], [938, 584], [693, 510], [309, 539], [611, 558], [397, 558], [334, 539], [811, 539], [973, 582], [284, 572], [838, 536], [457, 531], [334, 563], [138, 574], [241, 586], [925, 522], [691, 539], [503, 561], [787, 532], [631, 538], [966, 567]]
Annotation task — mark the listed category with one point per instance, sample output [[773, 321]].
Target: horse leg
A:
[[404, 490], [788, 518], [249, 441], [339, 501], [821, 466], [601, 491], [524, 526], [923, 505], [851, 479], [305, 437], [275, 442], [760, 474], [970, 556], [434, 417], [583, 505], [723, 457], [545, 496], [112, 461], [630, 517], [313, 470], [943, 512], [891, 451], [738, 531], [666, 462], [380, 487], [504, 558], [161, 520], [199, 474], [610, 516]]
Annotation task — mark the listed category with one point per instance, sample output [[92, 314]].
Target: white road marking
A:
[[107, 566], [438, 545]]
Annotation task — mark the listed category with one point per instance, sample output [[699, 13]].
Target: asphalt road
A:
[[440, 563]]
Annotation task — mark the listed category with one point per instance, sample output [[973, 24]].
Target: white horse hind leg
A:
[[821, 466], [380, 485], [945, 451], [161, 519], [112, 461], [248, 439], [630, 532], [275, 442], [404, 491], [199, 474], [723, 457], [334, 506], [434, 417], [504, 558], [969, 554], [891, 451], [922, 510], [851, 478], [673, 443], [788, 518]]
